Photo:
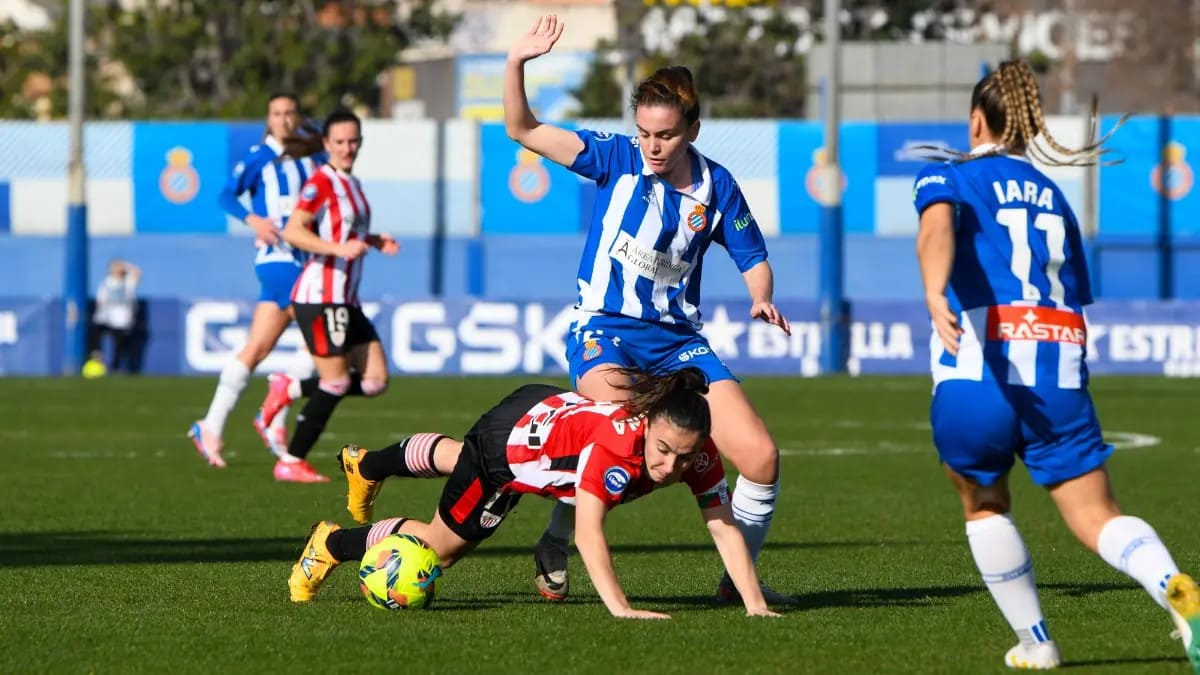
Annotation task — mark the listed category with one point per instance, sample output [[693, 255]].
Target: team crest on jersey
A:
[[529, 180], [591, 349], [1172, 177], [616, 480], [696, 220], [179, 183]]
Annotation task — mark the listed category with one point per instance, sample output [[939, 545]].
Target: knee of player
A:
[[337, 387], [759, 464], [374, 387]]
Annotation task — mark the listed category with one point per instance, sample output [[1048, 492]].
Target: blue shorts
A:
[[275, 281], [979, 428], [649, 346]]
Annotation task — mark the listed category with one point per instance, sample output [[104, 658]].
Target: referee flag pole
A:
[[835, 320], [75, 271]]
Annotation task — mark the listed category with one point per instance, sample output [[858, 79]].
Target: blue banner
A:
[[801, 152], [178, 171], [1153, 187], [477, 337], [901, 153], [523, 193]]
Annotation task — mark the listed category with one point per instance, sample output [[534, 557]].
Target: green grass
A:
[[121, 551]]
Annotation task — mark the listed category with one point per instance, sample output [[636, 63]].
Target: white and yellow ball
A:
[[400, 572]]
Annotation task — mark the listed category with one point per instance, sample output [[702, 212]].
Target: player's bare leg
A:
[[742, 438]]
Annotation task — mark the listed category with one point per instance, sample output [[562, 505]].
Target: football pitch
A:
[[122, 551]]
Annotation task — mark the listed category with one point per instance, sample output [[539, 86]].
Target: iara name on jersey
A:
[[1024, 191]]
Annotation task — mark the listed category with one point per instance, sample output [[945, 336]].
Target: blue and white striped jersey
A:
[[273, 183], [1019, 279], [646, 240]]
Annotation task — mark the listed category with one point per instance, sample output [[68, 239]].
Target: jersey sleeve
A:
[[245, 174], [738, 231], [935, 184], [603, 155], [314, 194], [605, 475], [706, 478]]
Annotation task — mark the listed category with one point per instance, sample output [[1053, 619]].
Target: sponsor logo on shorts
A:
[[616, 480], [692, 353]]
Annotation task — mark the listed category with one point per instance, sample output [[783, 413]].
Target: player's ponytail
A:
[[677, 396], [669, 86], [1011, 103], [308, 139]]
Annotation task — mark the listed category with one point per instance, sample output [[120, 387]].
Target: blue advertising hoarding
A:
[[178, 171], [1153, 186], [801, 151], [495, 337], [522, 192]]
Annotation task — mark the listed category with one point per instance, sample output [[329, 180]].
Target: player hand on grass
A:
[[945, 322], [631, 613], [539, 40], [264, 229], [767, 311]]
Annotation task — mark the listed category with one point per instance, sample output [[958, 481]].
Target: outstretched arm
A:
[[593, 548], [736, 556], [554, 143]]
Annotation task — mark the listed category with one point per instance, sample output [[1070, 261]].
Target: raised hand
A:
[[539, 40]]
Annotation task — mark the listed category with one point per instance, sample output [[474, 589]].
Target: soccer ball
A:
[[400, 572]]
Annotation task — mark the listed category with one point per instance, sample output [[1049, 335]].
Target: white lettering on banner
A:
[[493, 338], [647, 262], [215, 332], [9, 333], [404, 320], [490, 345], [868, 340]]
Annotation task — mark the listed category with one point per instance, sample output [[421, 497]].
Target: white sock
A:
[[230, 386], [294, 389], [1133, 547], [562, 521], [753, 509], [1004, 564]]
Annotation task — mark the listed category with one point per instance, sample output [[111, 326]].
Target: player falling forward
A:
[[1006, 281], [544, 440]]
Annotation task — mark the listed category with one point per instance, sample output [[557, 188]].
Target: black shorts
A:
[[474, 502], [333, 330]]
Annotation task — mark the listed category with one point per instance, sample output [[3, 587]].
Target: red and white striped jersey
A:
[[567, 442], [340, 213]]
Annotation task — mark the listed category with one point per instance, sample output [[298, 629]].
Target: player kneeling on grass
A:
[[547, 441]]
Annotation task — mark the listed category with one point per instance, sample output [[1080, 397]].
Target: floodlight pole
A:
[[75, 270], [834, 312]]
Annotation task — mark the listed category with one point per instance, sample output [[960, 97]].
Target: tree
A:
[[745, 63], [199, 58]]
